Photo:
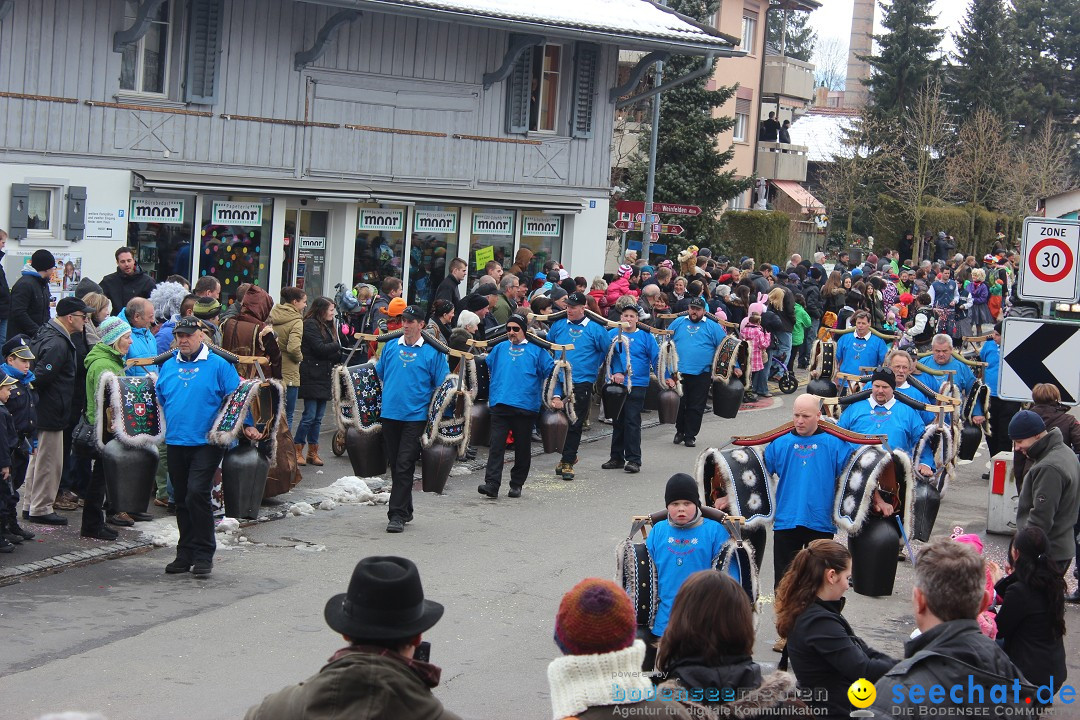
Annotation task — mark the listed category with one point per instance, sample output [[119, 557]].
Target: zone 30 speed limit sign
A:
[[1049, 249]]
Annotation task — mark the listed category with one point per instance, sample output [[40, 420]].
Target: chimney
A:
[[861, 43]]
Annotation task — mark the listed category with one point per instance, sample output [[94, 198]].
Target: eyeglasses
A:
[[513, 328]]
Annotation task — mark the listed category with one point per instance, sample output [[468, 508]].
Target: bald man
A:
[[807, 462]]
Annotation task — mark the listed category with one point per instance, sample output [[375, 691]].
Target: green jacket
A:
[[802, 324], [289, 328], [101, 358], [503, 310], [356, 685]]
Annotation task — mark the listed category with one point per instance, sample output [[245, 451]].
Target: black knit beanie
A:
[[681, 486]]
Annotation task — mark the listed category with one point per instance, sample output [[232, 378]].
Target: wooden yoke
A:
[[645, 521], [884, 336], [711, 316], [826, 426]]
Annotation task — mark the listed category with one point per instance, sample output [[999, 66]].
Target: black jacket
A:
[[946, 655], [30, 300], [449, 290], [55, 370], [825, 653], [22, 404], [121, 288], [1031, 638], [9, 439], [321, 351], [812, 293], [5, 292]]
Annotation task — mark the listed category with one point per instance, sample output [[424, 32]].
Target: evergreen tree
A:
[[689, 164], [985, 69], [1047, 41], [790, 30], [907, 59]]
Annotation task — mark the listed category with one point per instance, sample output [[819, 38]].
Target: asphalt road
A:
[[123, 639]]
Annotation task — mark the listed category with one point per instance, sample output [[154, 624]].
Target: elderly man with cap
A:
[[591, 343], [883, 414], [1050, 496], [941, 358], [380, 673], [55, 373], [411, 371], [518, 371], [30, 296], [696, 339], [191, 387]]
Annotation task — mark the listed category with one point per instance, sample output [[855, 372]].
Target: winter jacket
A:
[[834, 301], [449, 289], [1050, 497], [359, 684], [812, 293], [241, 334], [754, 696], [826, 653], [56, 372], [947, 654], [760, 283], [30, 301], [802, 325], [23, 401], [5, 292], [289, 328], [143, 345], [617, 288], [102, 358], [1054, 416], [787, 312], [600, 296], [321, 351], [78, 403], [121, 288], [504, 308], [1031, 638], [943, 247]]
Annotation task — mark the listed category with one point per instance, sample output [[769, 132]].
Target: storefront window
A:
[[159, 231], [304, 264], [543, 235], [380, 244], [235, 244], [491, 238], [434, 244]]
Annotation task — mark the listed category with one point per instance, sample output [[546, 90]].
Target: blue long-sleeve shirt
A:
[[518, 372], [901, 424], [696, 343], [677, 554], [143, 345], [590, 341], [808, 467], [990, 353], [191, 393], [854, 352], [914, 394], [963, 377], [644, 353], [410, 375]]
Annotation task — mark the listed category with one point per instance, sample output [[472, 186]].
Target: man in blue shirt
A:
[[941, 358], [858, 349], [191, 388], [900, 362], [807, 462], [518, 370], [883, 414], [139, 314], [644, 353], [590, 341], [411, 371], [696, 339], [1001, 411]]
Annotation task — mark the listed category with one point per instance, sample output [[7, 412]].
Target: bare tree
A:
[[911, 159], [844, 181], [830, 63], [973, 172], [1036, 169]]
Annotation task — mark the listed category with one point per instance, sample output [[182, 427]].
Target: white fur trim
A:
[[109, 381], [432, 432], [226, 438]]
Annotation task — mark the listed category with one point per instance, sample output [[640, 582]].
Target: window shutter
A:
[[742, 106], [19, 218], [76, 213], [586, 66], [518, 94], [204, 51]]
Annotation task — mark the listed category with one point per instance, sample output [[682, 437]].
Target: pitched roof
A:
[[822, 131], [629, 23]]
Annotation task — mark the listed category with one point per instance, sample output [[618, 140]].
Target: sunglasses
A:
[[513, 328]]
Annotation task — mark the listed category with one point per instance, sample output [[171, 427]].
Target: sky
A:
[[833, 20]]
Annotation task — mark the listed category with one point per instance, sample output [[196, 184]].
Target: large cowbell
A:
[[131, 458], [246, 465]]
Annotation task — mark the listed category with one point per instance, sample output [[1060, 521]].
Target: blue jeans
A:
[[290, 403], [760, 381], [310, 422], [626, 429]]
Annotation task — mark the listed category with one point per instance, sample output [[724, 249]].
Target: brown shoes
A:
[[313, 454], [66, 500], [300, 454]]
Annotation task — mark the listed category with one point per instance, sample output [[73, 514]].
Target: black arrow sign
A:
[[1027, 358]]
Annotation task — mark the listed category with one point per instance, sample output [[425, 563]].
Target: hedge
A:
[[761, 234], [891, 222]]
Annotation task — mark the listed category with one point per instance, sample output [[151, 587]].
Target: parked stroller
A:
[[779, 372]]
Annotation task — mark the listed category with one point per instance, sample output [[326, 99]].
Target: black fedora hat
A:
[[385, 601]]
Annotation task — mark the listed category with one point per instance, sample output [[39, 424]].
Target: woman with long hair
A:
[[782, 302], [321, 351], [823, 649], [708, 647], [833, 293], [100, 308], [441, 322], [1031, 620]]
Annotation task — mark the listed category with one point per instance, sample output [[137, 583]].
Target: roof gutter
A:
[[625, 40]]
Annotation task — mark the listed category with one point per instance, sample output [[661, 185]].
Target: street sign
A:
[[642, 217], [628, 217], [627, 225], [656, 228], [1050, 250], [653, 237], [638, 206], [671, 230], [1039, 351], [654, 248]]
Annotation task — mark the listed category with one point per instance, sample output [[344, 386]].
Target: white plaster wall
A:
[[585, 243]]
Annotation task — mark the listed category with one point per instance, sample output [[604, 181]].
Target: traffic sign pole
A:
[[650, 183]]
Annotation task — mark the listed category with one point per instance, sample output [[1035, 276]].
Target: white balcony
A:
[[787, 77], [781, 161]]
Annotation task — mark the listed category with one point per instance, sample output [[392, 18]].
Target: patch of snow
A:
[[302, 508], [382, 498], [327, 504], [307, 547], [459, 470], [351, 490], [162, 532], [228, 525]]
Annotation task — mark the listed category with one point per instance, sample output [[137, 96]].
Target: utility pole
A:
[[650, 184]]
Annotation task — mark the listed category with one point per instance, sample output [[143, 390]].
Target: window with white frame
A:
[[41, 212], [544, 93], [742, 120], [713, 20], [144, 67], [749, 30]]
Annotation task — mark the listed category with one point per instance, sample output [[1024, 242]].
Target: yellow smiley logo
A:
[[862, 693]]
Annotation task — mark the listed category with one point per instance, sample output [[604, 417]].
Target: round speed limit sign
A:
[[1049, 248]]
